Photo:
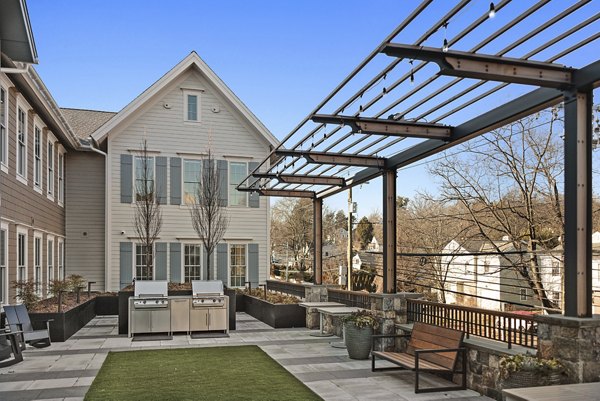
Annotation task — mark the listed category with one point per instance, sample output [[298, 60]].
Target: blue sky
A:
[[280, 57]]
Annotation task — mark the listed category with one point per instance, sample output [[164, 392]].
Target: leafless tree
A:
[[148, 215], [508, 184], [208, 214]]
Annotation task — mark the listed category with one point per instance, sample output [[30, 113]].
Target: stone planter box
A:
[[123, 307], [278, 316], [65, 324]]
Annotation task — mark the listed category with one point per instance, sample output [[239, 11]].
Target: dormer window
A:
[[191, 101]]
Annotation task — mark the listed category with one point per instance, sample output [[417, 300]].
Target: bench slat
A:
[[445, 342], [408, 361]]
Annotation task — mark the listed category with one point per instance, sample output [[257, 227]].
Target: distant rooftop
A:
[[84, 122]]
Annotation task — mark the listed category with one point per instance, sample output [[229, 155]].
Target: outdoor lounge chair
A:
[[10, 344], [17, 319]]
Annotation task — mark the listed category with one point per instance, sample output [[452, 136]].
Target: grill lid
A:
[[204, 287], [151, 288]]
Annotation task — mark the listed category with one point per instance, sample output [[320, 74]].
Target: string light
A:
[[412, 75], [445, 47], [384, 92], [492, 12]]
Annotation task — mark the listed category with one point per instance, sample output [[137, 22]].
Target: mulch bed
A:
[[50, 305]]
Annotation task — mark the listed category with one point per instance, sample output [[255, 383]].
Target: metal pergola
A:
[[403, 103]]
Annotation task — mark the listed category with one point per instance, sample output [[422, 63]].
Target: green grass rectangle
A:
[[215, 373]]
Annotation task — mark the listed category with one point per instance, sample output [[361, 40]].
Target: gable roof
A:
[[191, 61], [85, 122]]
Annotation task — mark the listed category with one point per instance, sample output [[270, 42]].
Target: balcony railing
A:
[[285, 287], [349, 298], [508, 327]]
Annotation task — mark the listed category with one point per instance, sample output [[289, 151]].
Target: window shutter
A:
[[254, 197], [126, 178], [161, 180], [253, 264], [126, 272], [222, 171], [160, 263], [222, 263], [175, 180], [175, 261]]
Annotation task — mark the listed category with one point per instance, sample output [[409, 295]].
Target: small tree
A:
[[26, 292], [364, 232], [209, 216], [148, 214]]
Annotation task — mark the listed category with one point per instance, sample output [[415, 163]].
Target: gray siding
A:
[[85, 221]]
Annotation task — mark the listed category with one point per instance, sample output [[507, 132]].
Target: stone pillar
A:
[[390, 310], [314, 293], [575, 342]]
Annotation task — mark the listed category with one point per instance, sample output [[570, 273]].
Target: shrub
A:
[[528, 363], [58, 286], [76, 282], [26, 292], [361, 319]]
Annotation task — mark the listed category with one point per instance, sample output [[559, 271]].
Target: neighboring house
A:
[[373, 246], [34, 144], [477, 277], [67, 177]]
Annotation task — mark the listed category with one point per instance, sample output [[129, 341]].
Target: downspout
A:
[[106, 216]]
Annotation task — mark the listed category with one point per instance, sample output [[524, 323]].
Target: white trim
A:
[[229, 186], [134, 186], [134, 264], [60, 254], [198, 94], [229, 245], [192, 60], [4, 227], [4, 164], [193, 154], [18, 223], [38, 235], [38, 126], [138, 152], [196, 243], [50, 182], [23, 231], [182, 183], [238, 157], [60, 175]]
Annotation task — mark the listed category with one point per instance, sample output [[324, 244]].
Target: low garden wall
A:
[[275, 315]]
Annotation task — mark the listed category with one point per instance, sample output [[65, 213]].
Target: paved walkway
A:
[[64, 371]]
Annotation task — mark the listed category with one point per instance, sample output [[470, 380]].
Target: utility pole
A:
[[349, 270]]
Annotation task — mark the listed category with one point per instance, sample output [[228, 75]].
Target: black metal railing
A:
[[349, 298], [511, 328], [285, 287]]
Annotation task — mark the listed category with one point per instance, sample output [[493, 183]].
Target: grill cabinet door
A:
[[217, 319], [180, 315], [161, 320], [141, 321], [198, 319]]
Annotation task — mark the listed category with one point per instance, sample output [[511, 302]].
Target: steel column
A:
[[578, 204], [389, 231], [318, 241]]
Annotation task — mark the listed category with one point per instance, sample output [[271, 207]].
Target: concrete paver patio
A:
[[64, 371]]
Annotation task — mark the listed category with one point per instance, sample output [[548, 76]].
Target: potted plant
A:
[[359, 327], [525, 370]]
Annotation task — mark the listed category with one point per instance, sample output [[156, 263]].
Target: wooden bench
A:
[[430, 349]]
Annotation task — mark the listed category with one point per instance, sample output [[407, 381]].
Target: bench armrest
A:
[[10, 333], [49, 320], [429, 351]]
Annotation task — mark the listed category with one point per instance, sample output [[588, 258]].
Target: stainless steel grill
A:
[[208, 293], [149, 310], [209, 307]]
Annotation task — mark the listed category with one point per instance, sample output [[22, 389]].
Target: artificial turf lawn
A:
[[217, 373]]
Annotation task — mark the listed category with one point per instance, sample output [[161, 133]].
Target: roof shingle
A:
[[84, 122]]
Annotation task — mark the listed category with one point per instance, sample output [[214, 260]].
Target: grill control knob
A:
[[144, 301], [214, 300]]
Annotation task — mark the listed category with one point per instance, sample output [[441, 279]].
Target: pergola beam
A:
[[287, 193], [303, 179], [334, 158], [378, 126], [487, 67]]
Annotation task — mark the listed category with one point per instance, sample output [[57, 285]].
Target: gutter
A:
[[22, 70], [92, 147]]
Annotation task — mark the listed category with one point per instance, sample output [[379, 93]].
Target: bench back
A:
[[426, 336], [23, 316]]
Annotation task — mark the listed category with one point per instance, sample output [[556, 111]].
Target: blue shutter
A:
[[222, 263], [175, 180], [253, 264], [161, 180], [254, 198], [175, 261], [222, 172], [125, 257], [126, 178], [160, 266]]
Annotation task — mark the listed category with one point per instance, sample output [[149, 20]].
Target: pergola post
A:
[[318, 240], [389, 231], [578, 204]]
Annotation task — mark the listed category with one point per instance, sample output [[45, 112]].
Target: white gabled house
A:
[[182, 115]]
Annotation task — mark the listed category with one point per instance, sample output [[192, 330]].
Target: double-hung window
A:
[[237, 265], [237, 172], [191, 180], [143, 263], [556, 268], [3, 263], [37, 160], [192, 263], [37, 264], [144, 178], [3, 128], [50, 179], [523, 294], [50, 264], [21, 255], [61, 259], [21, 143], [61, 177]]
